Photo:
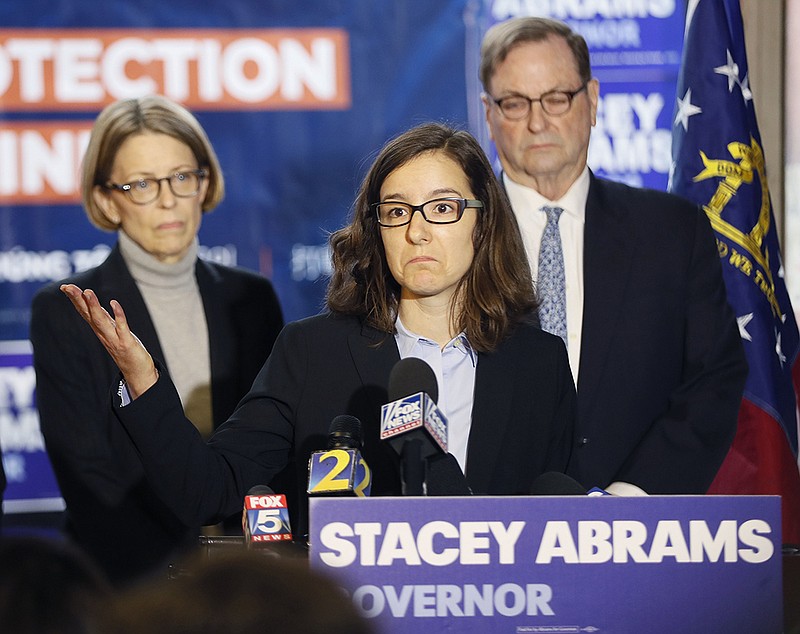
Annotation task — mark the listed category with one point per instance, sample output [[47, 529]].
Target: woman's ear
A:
[[102, 198]]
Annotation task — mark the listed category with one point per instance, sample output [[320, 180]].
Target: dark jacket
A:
[[112, 512], [662, 367], [329, 365]]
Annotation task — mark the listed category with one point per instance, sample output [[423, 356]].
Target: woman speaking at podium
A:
[[431, 265]]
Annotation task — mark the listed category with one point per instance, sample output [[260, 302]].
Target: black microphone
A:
[[340, 470], [265, 517], [556, 483], [411, 422], [443, 476]]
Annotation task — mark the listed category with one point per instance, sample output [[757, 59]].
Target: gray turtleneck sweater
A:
[[173, 300]]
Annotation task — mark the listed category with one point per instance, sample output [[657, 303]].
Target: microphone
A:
[[265, 517], [411, 422], [340, 470], [556, 483], [443, 476]]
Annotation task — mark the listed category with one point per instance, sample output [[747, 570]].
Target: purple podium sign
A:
[[659, 564]]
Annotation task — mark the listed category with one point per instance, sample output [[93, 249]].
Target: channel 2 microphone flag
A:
[[718, 163]]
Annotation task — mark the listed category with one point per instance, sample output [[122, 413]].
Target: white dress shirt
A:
[[527, 203]]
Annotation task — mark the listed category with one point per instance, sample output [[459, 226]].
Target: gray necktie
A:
[[551, 284]]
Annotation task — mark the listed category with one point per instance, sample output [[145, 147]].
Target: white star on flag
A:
[[686, 109], [742, 322], [746, 94], [731, 70], [778, 350]]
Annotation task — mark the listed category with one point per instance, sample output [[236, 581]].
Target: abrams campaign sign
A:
[[556, 564]]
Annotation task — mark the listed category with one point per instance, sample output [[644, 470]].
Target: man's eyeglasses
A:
[[555, 103], [439, 211], [183, 184]]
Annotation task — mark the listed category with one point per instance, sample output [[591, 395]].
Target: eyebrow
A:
[[516, 93], [442, 191], [143, 174]]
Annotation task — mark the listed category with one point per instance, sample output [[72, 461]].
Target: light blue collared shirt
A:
[[454, 367]]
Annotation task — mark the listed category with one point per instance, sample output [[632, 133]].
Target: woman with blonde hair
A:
[[149, 174]]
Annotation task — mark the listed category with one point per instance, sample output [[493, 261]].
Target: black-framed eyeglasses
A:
[[439, 211], [554, 103], [183, 184]]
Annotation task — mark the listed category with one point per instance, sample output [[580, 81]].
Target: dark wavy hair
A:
[[492, 297]]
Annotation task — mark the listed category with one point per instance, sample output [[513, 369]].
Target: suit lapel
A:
[[491, 416], [374, 355], [606, 271], [222, 352]]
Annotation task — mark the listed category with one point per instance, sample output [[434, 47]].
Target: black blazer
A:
[[662, 367], [112, 512], [329, 365]]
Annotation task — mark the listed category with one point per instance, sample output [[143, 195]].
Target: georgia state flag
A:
[[718, 163]]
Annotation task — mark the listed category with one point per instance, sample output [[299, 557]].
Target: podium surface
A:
[[556, 564]]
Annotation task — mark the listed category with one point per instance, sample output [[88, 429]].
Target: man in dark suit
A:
[[636, 291]]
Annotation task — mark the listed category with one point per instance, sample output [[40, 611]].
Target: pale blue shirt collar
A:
[[407, 341], [455, 367]]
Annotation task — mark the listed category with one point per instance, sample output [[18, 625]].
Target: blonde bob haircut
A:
[[129, 117]]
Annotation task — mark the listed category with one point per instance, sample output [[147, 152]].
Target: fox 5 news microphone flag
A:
[[718, 162]]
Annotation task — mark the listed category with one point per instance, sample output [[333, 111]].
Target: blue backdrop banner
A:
[[296, 99]]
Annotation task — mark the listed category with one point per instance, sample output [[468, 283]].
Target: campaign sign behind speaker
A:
[[659, 564]]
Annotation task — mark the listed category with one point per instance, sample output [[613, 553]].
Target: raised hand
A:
[[125, 349]]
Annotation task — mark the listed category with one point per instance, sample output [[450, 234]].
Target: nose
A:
[[166, 198], [418, 229], [537, 119]]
